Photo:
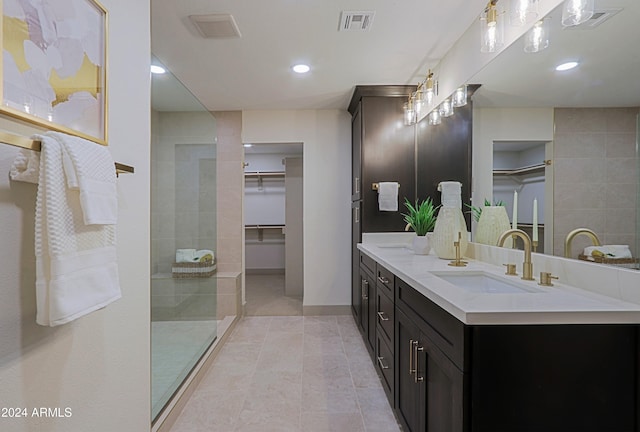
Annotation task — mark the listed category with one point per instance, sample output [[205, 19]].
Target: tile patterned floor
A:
[[265, 296], [290, 373]]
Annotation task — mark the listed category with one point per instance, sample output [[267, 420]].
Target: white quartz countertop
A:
[[559, 304]]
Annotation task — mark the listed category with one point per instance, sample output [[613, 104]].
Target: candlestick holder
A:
[[513, 239], [535, 245]]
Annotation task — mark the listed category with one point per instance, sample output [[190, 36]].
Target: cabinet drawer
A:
[[385, 316], [384, 364], [385, 280], [446, 331], [367, 263]]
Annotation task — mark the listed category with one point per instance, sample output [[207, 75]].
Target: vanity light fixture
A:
[[537, 38], [459, 97], [409, 112], [418, 100], [522, 12], [446, 108], [429, 88], [566, 66], [301, 68], [434, 117], [575, 12], [491, 29]]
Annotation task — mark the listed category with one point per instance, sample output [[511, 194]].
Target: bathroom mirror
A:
[[583, 122]]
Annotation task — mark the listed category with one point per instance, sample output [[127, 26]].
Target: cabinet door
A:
[[367, 310], [407, 398], [356, 290], [356, 154], [441, 390]]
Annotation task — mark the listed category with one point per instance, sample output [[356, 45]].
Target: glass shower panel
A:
[[183, 217]]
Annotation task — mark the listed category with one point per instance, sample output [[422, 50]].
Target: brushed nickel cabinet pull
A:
[[365, 289], [357, 184], [357, 215], [410, 356], [382, 365], [417, 348], [384, 280], [382, 317]]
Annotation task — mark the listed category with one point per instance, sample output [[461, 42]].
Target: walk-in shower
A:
[[183, 236]]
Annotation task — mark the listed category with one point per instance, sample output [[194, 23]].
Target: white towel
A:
[[90, 168], [610, 251], [76, 266], [388, 196], [451, 194], [26, 166]]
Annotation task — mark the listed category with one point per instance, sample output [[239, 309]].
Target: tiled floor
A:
[[265, 296], [290, 373]]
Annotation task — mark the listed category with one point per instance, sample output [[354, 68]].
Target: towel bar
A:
[[376, 186], [29, 144]]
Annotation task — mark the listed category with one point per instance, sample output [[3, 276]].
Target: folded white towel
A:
[[90, 168], [388, 196], [609, 251], [451, 194], [26, 166], [76, 266]]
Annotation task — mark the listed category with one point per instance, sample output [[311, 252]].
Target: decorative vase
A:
[[421, 245], [449, 223], [492, 223]]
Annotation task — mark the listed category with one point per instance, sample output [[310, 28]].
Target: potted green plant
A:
[[421, 217]]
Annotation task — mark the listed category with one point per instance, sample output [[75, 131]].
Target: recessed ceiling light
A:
[[301, 68], [157, 69], [567, 66], [248, 145]]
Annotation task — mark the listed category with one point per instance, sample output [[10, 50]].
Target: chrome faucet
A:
[[527, 266], [586, 231]]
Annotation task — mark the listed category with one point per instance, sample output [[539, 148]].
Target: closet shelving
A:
[[533, 169], [261, 229], [260, 175]]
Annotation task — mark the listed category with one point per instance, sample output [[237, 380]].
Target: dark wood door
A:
[[441, 390], [356, 289], [407, 397], [356, 156]]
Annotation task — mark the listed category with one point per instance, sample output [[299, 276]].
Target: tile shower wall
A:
[[183, 214], [596, 175]]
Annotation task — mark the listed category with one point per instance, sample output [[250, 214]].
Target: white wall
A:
[[99, 365], [326, 138]]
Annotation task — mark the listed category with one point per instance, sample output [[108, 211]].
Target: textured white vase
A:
[[492, 223], [421, 245], [449, 223]]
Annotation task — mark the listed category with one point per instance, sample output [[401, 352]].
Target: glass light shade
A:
[[459, 97], [446, 108], [418, 102], [576, 12], [434, 117], [522, 12], [428, 96], [537, 38], [409, 114], [491, 31]]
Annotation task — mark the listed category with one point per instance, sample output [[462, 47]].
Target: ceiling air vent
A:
[[356, 20], [218, 26], [599, 16]]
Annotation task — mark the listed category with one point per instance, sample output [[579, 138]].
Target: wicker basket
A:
[[187, 270], [614, 261]]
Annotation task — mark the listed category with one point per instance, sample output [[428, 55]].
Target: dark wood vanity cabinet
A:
[[367, 310], [429, 394], [444, 376]]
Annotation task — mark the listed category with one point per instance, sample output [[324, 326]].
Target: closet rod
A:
[[29, 144]]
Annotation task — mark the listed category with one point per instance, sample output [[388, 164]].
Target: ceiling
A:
[[254, 71], [608, 74]]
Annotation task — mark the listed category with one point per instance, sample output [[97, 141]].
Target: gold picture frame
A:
[[53, 72]]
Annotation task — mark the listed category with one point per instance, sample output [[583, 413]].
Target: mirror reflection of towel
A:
[[388, 196]]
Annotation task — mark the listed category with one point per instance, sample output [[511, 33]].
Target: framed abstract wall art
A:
[[53, 66]]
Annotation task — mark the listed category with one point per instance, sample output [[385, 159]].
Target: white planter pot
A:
[[449, 224], [421, 245]]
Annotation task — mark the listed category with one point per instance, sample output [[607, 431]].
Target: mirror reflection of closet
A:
[[519, 166]]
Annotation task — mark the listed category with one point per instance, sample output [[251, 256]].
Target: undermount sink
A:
[[484, 283]]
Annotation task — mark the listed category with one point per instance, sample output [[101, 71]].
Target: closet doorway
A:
[[273, 220]]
